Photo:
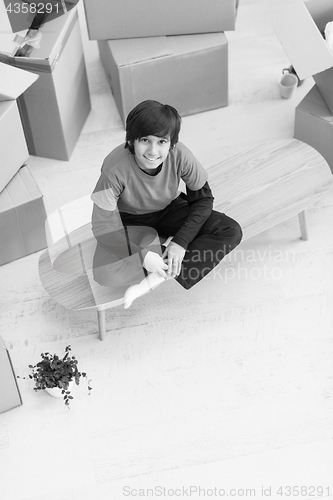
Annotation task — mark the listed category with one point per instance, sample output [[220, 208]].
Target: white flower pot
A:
[[56, 391]]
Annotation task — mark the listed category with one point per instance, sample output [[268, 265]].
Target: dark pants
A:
[[217, 237], [118, 257]]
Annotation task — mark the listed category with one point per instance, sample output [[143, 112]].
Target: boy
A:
[[138, 189]]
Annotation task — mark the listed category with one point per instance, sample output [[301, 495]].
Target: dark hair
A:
[[152, 118]]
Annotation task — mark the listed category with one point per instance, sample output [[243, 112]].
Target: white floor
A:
[[228, 386]]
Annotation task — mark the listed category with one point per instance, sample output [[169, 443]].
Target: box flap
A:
[[136, 50], [14, 81], [5, 26], [20, 190], [302, 41], [11, 42]]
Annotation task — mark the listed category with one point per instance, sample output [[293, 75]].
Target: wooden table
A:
[[269, 184], [259, 188]]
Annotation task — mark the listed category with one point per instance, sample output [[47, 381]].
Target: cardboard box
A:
[[189, 72], [13, 146], [21, 17], [314, 124], [55, 108], [22, 217], [10, 396], [114, 19], [301, 37]]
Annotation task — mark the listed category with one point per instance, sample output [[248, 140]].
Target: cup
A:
[[287, 84], [291, 70]]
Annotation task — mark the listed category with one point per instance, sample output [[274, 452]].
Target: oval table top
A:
[[259, 188], [77, 291]]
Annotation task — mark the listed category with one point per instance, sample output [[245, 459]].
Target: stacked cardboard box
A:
[[22, 212], [188, 72], [300, 29], [22, 217], [9, 392], [55, 109], [144, 18], [13, 146], [175, 53]]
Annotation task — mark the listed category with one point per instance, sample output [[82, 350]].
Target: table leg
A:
[[303, 225], [101, 323]]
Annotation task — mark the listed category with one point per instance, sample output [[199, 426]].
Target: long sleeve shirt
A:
[[124, 187]]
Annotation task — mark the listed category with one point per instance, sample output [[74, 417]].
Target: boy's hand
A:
[[174, 255], [155, 264]]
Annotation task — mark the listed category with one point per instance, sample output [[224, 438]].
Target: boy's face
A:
[[151, 151]]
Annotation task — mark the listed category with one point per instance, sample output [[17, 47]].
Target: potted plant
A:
[[56, 375]]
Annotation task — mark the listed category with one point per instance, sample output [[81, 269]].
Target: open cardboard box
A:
[[299, 29], [109, 20], [20, 18], [13, 146], [55, 108], [189, 72], [314, 124]]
